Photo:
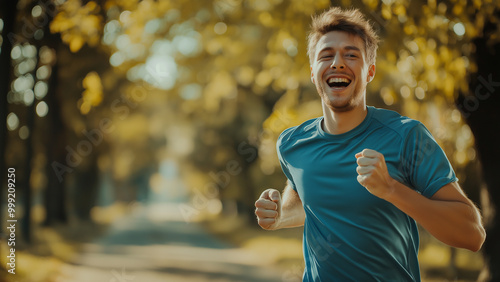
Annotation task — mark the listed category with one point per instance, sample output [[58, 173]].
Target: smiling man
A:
[[359, 177]]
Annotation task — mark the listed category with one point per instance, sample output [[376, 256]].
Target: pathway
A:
[[141, 248]]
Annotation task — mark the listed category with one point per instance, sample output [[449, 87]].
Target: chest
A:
[[325, 173]]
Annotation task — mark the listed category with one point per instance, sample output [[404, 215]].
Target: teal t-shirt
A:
[[350, 234]]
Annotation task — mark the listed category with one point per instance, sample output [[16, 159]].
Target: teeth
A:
[[338, 79]]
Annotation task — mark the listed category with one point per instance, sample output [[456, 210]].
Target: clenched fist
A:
[[268, 209], [373, 174]]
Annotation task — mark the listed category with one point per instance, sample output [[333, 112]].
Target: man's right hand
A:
[[268, 209]]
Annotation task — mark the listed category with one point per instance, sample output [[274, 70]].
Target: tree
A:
[[8, 9]]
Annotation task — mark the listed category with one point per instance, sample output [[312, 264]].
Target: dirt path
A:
[[139, 248]]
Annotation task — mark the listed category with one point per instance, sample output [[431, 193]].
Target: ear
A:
[[371, 73], [312, 76]]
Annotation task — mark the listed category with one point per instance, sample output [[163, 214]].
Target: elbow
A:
[[477, 239], [471, 239], [475, 247]]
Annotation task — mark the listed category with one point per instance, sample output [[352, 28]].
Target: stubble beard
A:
[[337, 106]]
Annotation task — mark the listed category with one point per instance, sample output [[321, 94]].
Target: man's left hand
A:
[[373, 174]]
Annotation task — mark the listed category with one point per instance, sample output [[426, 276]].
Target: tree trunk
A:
[[481, 111], [87, 181], [55, 139], [26, 183], [8, 14], [55, 194]]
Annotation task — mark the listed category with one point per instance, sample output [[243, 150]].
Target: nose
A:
[[337, 63]]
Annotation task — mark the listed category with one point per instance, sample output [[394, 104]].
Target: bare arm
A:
[[274, 212], [448, 215]]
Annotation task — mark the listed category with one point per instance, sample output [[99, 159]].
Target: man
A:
[[359, 177]]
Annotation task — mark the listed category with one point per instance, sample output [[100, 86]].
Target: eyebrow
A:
[[348, 47]]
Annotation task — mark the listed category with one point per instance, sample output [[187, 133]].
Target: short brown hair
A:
[[351, 21]]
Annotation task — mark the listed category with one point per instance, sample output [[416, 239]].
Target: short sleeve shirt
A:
[[350, 234]]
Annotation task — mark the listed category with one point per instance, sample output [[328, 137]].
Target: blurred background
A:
[[141, 133]]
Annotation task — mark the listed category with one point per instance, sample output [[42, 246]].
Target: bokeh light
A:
[[12, 121], [42, 109]]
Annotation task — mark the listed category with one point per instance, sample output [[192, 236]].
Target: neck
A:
[[342, 122]]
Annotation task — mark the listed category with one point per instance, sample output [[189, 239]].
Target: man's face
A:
[[340, 71]]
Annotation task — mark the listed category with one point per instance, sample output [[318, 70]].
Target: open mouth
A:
[[338, 82]]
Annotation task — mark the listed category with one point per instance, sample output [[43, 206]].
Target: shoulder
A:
[[393, 121], [292, 134]]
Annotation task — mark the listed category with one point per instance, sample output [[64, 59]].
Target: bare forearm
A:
[[292, 212], [275, 211], [455, 223]]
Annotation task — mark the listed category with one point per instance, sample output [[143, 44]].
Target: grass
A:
[[46, 254], [50, 248]]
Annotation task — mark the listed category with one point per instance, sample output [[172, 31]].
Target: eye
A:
[[326, 57], [351, 56]]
